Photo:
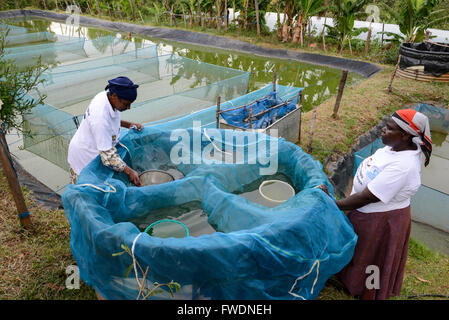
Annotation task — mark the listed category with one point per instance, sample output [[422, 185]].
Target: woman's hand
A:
[[133, 176], [138, 126], [324, 188], [131, 125]]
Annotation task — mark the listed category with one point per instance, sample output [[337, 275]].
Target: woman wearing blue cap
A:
[[99, 131]]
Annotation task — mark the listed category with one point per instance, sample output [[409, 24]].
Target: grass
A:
[[34, 263]]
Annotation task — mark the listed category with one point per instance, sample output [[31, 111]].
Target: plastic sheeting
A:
[[434, 57], [286, 252]]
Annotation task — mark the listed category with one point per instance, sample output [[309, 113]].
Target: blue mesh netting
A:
[[43, 37], [169, 87], [262, 112], [286, 252], [13, 30]]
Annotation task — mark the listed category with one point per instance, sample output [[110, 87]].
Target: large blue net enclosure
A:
[[248, 251]]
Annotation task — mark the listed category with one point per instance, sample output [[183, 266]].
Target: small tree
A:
[[414, 17], [15, 86], [344, 12]]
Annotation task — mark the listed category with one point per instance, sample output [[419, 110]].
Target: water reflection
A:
[[320, 82]]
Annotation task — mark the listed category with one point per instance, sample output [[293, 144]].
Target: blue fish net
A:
[[264, 111], [256, 252]]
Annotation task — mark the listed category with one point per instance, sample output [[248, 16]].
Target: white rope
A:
[[317, 263], [98, 188], [134, 259], [124, 147], [218, 149]]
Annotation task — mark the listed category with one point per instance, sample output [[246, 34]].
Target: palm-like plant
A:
[[414, 17], [344, 12], [307, 9]]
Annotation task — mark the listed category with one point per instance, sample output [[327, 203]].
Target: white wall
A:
[[317, 25]]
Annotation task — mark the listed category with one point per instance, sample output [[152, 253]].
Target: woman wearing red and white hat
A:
[[379, 206]]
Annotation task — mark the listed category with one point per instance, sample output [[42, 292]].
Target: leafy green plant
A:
[[414, 17], [15, 86], [307, 9], [344, 12]]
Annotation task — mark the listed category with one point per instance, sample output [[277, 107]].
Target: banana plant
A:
[[307, 9], [344, 12], [414, 17]]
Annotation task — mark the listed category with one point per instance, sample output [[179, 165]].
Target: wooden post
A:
[[250, 117], [274, 80], [390, 87], [256, 5], [322, 34], [218, 111], [382, 41], [14, 184], [368, 40], [300, 116], [312, 123], [341, 87]]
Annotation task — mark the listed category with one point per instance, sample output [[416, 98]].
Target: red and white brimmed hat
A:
[[416, 124]]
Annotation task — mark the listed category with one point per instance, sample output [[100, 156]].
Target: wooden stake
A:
[[368, 40], [300, 116], [322, 34], [390, 87], [341, 87], [250, 118], [14, 185], [312, 123], [256, 5], [382, 41], [218, 111], [274, 80]]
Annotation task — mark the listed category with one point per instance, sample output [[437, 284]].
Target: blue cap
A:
[[123, 87]]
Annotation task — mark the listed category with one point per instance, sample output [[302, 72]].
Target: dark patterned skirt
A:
[[382, 243]]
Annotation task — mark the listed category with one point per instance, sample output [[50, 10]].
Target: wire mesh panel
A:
[[43, 37], [169, 86], [13, 30], [68, 50]]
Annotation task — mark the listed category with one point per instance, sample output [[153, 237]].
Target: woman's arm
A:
[[112, 160], [127, 124], [357, 200]]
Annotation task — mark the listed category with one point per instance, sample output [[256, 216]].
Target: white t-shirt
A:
[[99, 131], [392, 176]]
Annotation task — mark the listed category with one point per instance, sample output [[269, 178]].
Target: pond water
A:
[[320, 82]]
